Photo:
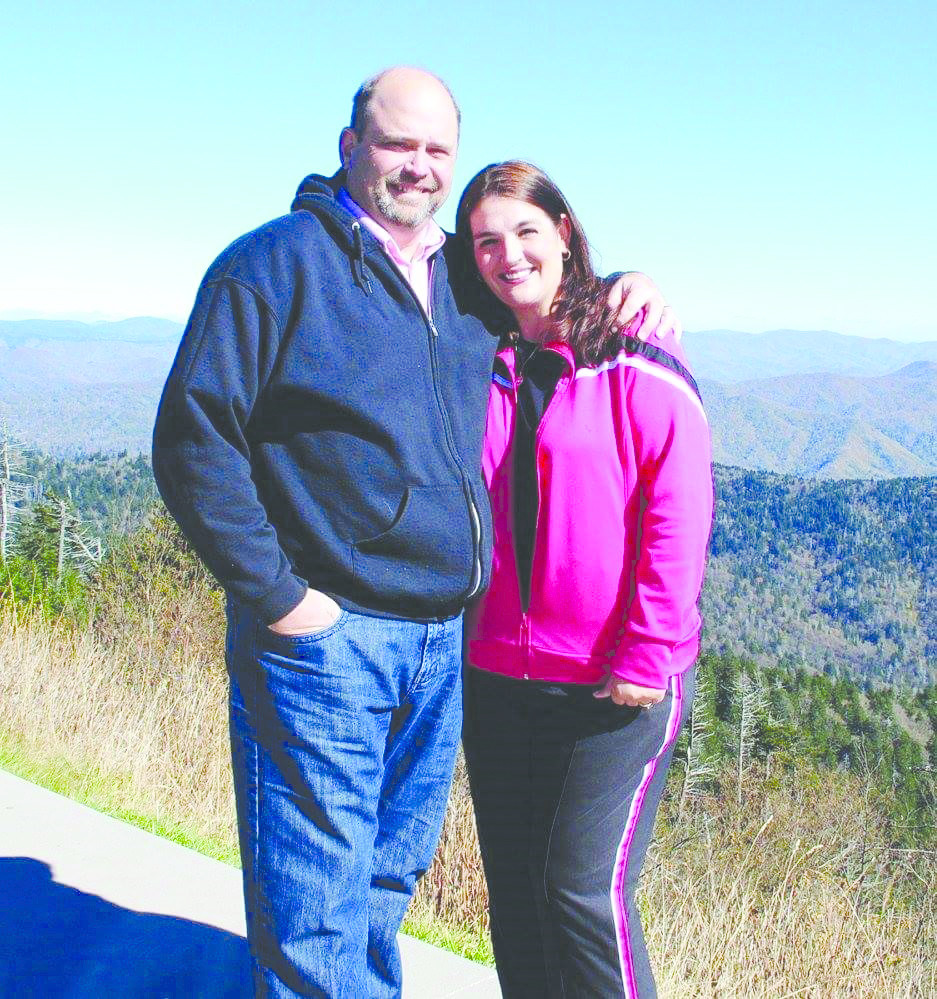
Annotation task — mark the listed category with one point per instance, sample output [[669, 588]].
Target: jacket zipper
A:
[[525, 611], [537, 438], [474, 518], [525, 617]]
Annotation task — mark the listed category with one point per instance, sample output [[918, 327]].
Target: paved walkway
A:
[[93, 907]]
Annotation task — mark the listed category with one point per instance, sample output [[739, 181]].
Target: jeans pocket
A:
[[265, 638]]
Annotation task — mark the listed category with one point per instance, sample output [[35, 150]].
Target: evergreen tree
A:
[[13, 483], [700, 765], [52, 535]]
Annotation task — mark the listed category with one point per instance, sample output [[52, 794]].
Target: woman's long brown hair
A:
[[580, 314]]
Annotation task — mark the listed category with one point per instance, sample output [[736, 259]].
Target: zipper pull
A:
[[432, 326], [525, 644]]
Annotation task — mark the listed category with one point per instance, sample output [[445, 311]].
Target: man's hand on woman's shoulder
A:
[[635, 293]]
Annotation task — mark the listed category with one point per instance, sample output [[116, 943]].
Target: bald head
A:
[[400, 155], [408, 75]]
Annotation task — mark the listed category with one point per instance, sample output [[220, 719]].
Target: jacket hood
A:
[[317, 189], [316, 194]]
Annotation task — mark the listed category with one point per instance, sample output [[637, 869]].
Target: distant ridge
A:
[[732, 356], [829, 426], [70, 387], [142, 329]]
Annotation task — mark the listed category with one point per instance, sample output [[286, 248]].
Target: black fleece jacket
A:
[[317, 429]]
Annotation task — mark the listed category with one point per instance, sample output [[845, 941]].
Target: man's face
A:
[[400, 168]]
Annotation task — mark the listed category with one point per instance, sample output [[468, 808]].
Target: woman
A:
[[597, 459]]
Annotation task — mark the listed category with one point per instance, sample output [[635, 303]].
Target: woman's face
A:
[[519, 254]]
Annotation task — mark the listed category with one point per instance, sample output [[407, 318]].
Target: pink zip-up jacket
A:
[[626, 499]]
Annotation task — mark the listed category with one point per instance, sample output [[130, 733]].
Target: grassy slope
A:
[[792, 892]]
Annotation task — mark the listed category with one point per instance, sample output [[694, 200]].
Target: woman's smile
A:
[[517, 276]]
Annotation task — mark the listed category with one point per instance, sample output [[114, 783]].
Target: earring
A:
[[565, 255]]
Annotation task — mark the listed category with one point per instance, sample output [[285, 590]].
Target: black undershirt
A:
[[538, 372]]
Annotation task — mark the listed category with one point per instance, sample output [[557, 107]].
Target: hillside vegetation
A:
[[838, 575], [112, 493], [795, 854]]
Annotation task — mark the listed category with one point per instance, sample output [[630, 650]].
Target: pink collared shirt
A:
[[417, 269]]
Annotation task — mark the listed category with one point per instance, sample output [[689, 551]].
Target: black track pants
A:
[[566, 789]]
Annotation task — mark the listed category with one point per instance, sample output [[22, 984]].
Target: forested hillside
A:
[[111, 492], [788, 719], [834, 576]]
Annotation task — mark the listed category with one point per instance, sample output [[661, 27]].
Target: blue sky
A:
[[770, 165]]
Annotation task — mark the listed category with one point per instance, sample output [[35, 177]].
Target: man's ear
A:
[[346, 144]]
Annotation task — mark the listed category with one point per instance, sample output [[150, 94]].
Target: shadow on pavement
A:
[[57, 941]]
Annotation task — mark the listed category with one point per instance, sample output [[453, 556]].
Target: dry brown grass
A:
[[153, 729], [794, 894], [454, 887]]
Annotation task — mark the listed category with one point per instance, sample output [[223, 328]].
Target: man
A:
[[319, 443]]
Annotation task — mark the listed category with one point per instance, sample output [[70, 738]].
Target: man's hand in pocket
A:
[[315, 612]]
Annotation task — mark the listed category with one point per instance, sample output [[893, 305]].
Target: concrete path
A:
[[92, 907]]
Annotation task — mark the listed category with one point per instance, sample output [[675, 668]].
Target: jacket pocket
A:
[[426, 555]]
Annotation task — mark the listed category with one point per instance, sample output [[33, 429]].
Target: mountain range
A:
[[142, 329], [828, 426], [729, 356], [809, 403]]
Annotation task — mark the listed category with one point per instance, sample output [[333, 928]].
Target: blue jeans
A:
[[343, 744]]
